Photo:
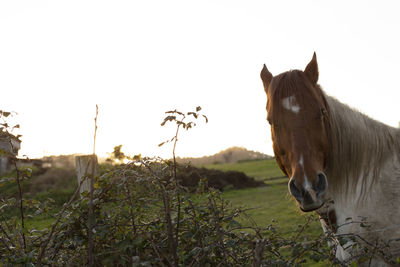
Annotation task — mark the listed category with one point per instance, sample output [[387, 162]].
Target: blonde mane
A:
[[359, 147]]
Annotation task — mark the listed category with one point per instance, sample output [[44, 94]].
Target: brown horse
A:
[[341, 163]]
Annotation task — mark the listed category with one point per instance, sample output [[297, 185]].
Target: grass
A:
[[261, 170], [56, 184], [269, 203], [272, 203], [39, 222]]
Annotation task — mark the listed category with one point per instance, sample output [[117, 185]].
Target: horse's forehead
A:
[[290, 103]]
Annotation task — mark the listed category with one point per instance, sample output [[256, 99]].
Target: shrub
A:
[[138, 223]]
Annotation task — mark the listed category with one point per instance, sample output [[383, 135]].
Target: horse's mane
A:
[[359, 148]]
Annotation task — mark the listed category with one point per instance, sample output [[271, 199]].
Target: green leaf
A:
[[233, 224], [231, 243], [6, 179], [195, 251]]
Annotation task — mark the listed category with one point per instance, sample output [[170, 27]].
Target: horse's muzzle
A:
[[312, 197]]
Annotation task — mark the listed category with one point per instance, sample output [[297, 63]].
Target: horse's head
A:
[[297, 113]]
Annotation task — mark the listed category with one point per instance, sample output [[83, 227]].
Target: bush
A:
[[144, 218]]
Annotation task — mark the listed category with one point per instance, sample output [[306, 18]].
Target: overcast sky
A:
[[138, 59]]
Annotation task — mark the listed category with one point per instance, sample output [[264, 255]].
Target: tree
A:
[[117, 156]]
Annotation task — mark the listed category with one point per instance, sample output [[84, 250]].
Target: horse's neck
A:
[[359, 146], [363, 175]]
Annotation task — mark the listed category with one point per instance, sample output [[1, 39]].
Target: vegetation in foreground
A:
[[139, 214], [144, 218]]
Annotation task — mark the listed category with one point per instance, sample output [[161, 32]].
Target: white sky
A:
[[137, 59]]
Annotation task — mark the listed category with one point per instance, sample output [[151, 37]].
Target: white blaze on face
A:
[[306, 184], [290, 103]]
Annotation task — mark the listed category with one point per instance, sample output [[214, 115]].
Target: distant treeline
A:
[[230, 155]]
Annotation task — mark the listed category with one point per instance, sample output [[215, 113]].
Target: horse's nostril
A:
[[294, 190], [321, 184]]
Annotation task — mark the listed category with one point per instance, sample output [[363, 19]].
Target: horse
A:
[[341, 164]]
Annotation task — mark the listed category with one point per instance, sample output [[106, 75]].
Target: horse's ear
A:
[[312, 69], [266, 77]]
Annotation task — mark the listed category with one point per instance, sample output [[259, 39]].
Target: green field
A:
[[262, 170], [268, 204]]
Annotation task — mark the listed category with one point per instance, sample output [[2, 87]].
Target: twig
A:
[[158, 252], [178, 221], [172, 246], [195, 259], [91, 213], [21, 201], [171, 241], [218, 228], [21, 205], [57, 248], [131, 213], [5, 244], [95, 130], [5, 233], [303, 227]]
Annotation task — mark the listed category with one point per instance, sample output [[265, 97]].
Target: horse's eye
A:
[[323, 112]]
